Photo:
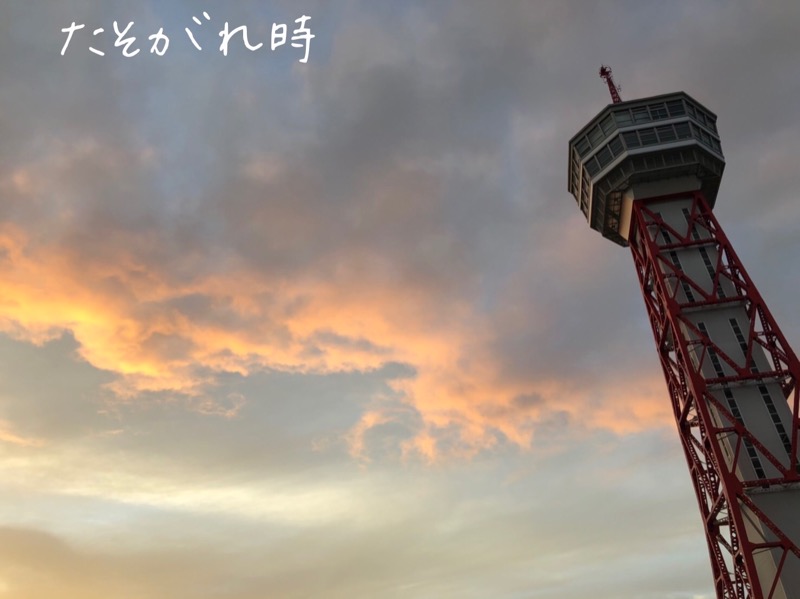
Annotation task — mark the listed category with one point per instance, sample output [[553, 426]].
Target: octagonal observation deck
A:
[[657, 145]]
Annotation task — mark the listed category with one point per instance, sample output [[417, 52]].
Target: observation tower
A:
[[646, 173]]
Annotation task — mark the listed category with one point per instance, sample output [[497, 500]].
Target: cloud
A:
[[137, 330], [372, 242], [380, 218], [454, 530], [7, 435]]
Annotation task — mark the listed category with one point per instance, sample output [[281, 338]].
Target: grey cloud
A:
[[461, 532], [397, 175], [48, 393]]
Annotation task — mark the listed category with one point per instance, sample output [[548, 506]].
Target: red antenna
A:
[[605, 73]]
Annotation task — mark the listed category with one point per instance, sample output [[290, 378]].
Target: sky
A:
[[335, 328]]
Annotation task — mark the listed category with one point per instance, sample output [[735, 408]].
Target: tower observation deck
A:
[[646, 173]]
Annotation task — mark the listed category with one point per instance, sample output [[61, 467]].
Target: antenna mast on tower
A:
[[605, 74]]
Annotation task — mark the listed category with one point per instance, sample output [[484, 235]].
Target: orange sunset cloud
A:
[[134, 330]]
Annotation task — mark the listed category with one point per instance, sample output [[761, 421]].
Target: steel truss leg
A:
[[722, 494]]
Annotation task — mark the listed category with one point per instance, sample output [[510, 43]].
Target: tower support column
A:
[[733, 383]]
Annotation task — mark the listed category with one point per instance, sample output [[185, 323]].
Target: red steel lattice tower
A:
[[645, 174]]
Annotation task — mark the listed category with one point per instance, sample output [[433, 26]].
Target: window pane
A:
[[623, 117], [583, 146], [682, 130], [607, 124], [648, 137], [657, 111], [631, 139], [666, 134], [595, 136], [604, 156], [616, 146], [675, 108], [640, 115]]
